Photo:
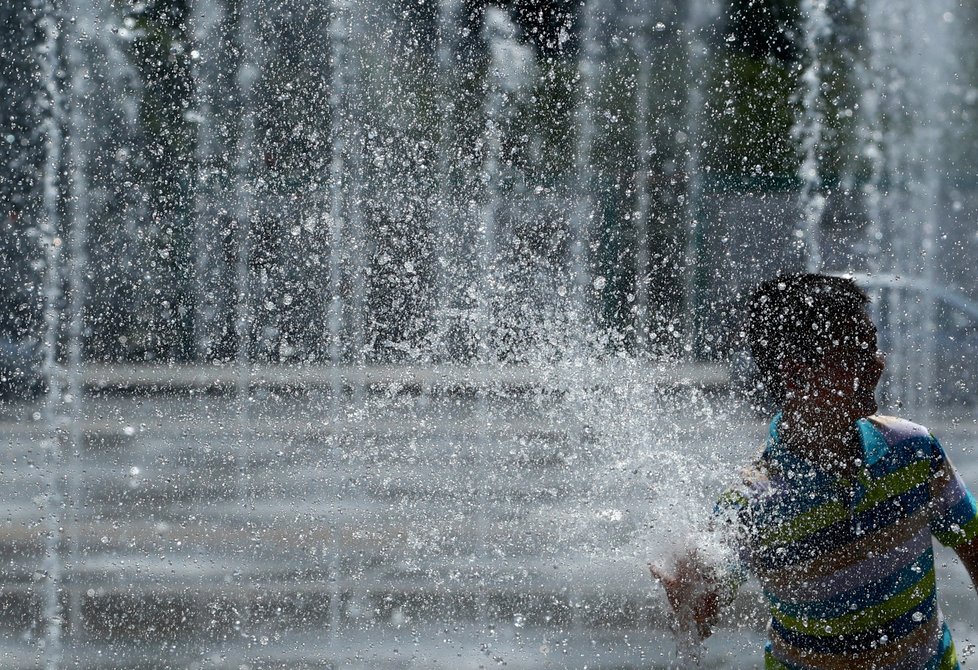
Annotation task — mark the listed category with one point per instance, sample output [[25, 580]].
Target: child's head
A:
[[812, 331]]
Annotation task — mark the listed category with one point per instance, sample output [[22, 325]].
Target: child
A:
[[836, 516]]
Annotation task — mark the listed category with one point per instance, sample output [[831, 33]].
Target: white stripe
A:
[[870, 570]]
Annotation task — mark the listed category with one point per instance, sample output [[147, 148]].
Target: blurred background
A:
[[375, 333]]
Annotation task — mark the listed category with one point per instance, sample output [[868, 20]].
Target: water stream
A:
[[408, 374]]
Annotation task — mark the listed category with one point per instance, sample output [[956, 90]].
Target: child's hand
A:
[[692, 592]]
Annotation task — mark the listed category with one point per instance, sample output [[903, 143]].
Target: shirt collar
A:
[[870, 439], [874, 444]]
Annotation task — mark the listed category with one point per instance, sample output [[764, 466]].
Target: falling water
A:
[[51, 243], [499, 35], [699, 15], [337, 40], [478, 193], [584, 209], [356, 228], [206, 18], [446, 205], [245, 211], [904, 86], [924, 184], [338, 186], [810, 128], [82, 28], [871, 150], [245, 214], [340, 123], [643, 146]]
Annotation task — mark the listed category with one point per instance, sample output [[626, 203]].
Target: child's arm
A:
[[968, 553], [954, 519], [692, 591]]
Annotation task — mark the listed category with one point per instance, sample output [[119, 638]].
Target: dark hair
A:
[[798, 318]]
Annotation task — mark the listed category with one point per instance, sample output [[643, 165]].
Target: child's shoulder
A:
[[757, 474], [896, 430]]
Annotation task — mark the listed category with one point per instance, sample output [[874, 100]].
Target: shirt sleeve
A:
[[954, 515], [730, 522]]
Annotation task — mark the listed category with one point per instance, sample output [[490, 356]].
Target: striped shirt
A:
[[847, 565]]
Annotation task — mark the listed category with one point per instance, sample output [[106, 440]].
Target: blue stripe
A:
[[903, 453], [866, 595], [935, 662], [838, 535], [886, 451], [963, 512], [844, 643], [887, 512], [777, 511]]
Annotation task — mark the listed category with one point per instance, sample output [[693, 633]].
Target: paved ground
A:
[[401, 529]]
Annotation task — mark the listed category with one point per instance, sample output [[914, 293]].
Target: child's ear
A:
[[794, 373], [791, 369]]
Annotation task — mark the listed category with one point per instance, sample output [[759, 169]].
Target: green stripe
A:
[[771, 663], [864, 619], [806, 524], [885, 487], [733, 499], [894, 484], [950, 660], [952, 539]]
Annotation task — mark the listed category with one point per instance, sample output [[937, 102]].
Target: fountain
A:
[[817, 29], [388, 335], [52, 245]]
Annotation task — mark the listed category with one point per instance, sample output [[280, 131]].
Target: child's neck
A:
[[828, 441]]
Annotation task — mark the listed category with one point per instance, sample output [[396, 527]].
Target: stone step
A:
[[385, 377]]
